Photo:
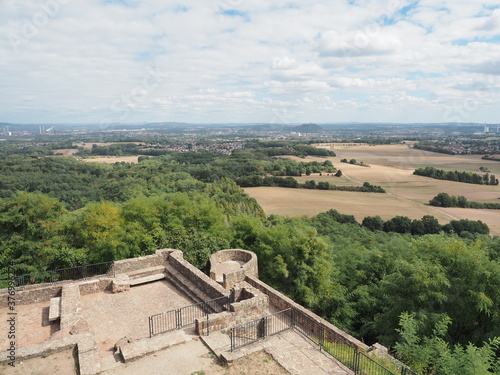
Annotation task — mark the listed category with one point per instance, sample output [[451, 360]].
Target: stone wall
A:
[[249, 267], [210, 287], [251, 304], [32, 294], [43, 292], [95, 285], [148, 261], [88, 354], [282, 302]]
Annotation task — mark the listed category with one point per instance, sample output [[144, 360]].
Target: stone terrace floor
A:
[[115, 316], [295, 353], [32, 324]]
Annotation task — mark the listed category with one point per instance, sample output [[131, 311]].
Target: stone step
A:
[[55, 309], [145, 272], [147, 279], [140, 348], [184, 285]]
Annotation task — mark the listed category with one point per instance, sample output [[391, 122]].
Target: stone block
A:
[[121, 284]]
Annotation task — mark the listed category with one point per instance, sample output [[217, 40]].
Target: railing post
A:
[[178, 318], [84, 272], [321, 336], [356, 361], [150, 327], [264, 327], [293, 317], [208, 327], [231, 333]]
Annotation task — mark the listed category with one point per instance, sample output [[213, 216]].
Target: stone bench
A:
[[147, 279], [55, 309]]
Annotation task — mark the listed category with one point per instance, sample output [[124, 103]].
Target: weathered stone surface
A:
[[71, 307], [80, 327], [88, 358], [55, 309], [147, 279], [121, 283], [139, 348]]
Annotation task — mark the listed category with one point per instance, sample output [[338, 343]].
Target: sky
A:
[[245, 61]]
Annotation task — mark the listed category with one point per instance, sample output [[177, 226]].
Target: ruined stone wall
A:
[[282, 302], [32, 294], [210, 287], [250, 266], [148, 261], [254, 305], [231, 278], [43, 292]]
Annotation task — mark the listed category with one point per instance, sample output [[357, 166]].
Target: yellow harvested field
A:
[[299, 202], [391, 166], [112, 159], [66, 151], [490, 217]]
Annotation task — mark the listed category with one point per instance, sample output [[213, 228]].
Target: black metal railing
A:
[[367, 366], [327, 340], [339, 347], [255, 330], [407, 371], [63, 274], [186, 316]]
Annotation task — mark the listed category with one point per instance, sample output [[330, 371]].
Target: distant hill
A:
[[307, 128]]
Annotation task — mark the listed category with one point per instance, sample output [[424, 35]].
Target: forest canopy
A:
[[60, 212]]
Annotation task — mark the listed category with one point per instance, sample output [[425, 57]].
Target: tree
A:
[[431, 224], [398, 224], [373, 223], [29, 229], [324, 185], [310, 184], [338, 174], [433, 355], [441, 200]]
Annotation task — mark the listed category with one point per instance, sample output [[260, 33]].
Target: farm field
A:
[[391, 166], [112, 159], [305, 202], [401, 156]]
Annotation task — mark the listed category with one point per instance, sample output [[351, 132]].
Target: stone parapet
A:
[[210, 287], [282, 302], [248, 266], [250, 304]]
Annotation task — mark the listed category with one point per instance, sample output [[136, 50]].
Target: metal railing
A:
[[407, 371], [250, 332], [367, 366], [72, 273], [185, 316], [327, 340]]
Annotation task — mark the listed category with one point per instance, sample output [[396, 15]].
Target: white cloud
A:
[[235, 60]]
